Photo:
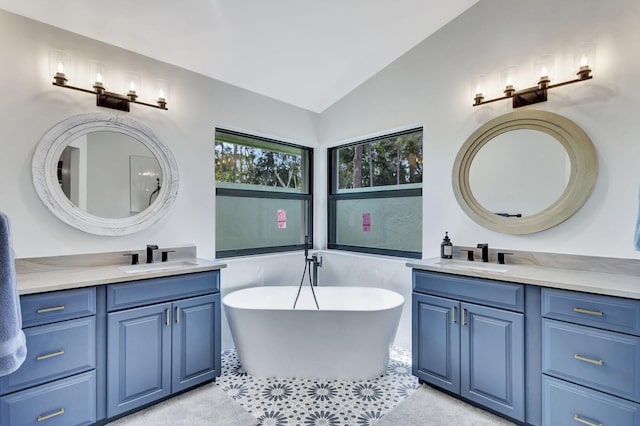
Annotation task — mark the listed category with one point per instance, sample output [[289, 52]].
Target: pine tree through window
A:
[[375, 199]]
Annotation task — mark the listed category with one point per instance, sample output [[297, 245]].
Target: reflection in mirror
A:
[[109, 174], [519, 173]]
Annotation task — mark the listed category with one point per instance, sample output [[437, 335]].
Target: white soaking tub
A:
[[347, 338]]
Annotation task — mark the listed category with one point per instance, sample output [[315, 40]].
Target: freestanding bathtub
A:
[[348, 338]]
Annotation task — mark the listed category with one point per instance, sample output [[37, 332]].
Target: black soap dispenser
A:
[[446, 247]]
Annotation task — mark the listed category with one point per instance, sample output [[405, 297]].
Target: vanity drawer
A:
[[66, 402], [155, 290], [43, 308], [476, 290], [54, 351], [601, 359], [568, 404], [611, 313]]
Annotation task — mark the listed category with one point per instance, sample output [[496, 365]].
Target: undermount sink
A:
[[470, 266], [155, 267]]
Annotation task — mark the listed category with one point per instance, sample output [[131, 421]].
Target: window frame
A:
[[334, 195], [265, 194]]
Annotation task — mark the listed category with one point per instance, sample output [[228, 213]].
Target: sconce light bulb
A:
[[98, 78], [162, 102], [60, 67], [584, 72], [544, 71], [478, 89], [132, 86], [583, 61]]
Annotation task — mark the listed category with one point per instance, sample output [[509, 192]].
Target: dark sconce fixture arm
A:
[[109, 99], [532, 95]]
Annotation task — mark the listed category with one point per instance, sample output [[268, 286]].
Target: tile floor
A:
[[312, 402]]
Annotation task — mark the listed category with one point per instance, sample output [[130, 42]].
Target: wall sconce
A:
[[105, 98], [538, 93]]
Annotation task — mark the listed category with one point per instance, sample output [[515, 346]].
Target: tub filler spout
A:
[[315, 265], [312, 264]]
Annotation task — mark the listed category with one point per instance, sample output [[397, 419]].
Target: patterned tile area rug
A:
[[309, 402]]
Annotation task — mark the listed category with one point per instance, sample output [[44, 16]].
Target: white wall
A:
[[30, 105], [431, 85]]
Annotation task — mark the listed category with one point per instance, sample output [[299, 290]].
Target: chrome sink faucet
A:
[[485, 251], [150, 249]]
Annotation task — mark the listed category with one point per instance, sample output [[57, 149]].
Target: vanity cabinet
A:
[[469, 337], [57, 381], [591, 359], [163, 336]]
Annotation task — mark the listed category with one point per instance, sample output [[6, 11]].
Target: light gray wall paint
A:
[[431, 84], [30, 105]]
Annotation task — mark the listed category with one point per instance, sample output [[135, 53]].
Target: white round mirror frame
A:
[[584, 171], [45, 180]]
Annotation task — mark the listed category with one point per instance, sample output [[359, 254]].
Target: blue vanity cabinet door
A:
[[436, 341], [499, 294], [567, 404], [594, 310], [195, 341], [600, 359], [164, 289], [139, 357], [54, 351], [53, 306], [66, 402], [492, 358]]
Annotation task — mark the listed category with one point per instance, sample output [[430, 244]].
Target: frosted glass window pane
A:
[[384, 223], [245, 223]]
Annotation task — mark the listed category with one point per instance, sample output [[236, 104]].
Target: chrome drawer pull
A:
[[41, 357], [177, 315], [168, 319], [464, 322], [453, 315], [592, 361], [48, 416], [585, 422], [55, 308], [586, 311]]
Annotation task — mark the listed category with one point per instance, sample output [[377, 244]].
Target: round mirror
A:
[[104, 175], [524, 172]]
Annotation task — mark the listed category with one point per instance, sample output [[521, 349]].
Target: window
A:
[[375, 195], [263, 194]]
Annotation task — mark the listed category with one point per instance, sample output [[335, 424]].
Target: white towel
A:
[[13, 345]]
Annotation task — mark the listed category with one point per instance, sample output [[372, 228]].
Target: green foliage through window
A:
[[247, 161], [393, 160], [375, 197]]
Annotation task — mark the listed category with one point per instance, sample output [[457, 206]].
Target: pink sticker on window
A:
[[366, 222], [282, 219]]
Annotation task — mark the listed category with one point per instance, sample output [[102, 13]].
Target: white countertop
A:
[[622, 285], [38, 278]]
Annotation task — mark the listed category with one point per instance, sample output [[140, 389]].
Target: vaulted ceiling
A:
[[309, 53]]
